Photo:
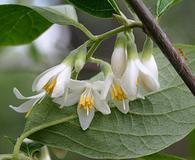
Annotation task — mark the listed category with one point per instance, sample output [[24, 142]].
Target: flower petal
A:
[[148, 79], [68, 100], [98, 85], [77, 84], [122, 106], [84, 118], [101, 105], [129, 79], [118, 61], [44, 77], [26, 106], [151, 65], [20, 96], [61, 82], [107, 85]]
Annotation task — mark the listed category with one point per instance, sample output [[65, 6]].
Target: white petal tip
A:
[[107, 112], [84, 128], [10, 106], [125, 110], [16, 109], [61, 106], [17, 93]]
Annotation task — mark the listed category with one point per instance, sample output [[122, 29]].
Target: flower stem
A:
[[99, 38], [93, 49], [113, 32]]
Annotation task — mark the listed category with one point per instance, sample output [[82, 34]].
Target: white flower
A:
[[113, 85], [52, 82], [113, 81], [136, 75], [88, 97], [138, 72]]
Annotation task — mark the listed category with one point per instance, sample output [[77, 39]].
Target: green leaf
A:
[[163, 118], [160, 157], [164, 5], [23, 24], [100, 8], [115, 6]]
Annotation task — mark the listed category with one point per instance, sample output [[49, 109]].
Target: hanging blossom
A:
[[52, 82], [138, 72], [128, 74], [150, 83], [113, 80], [88, 96]]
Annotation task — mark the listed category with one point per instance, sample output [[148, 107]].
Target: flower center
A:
[[117, 92], [49, 87], [86, 100]]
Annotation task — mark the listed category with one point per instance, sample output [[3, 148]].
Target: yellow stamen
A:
[[49, 87], [117, 92], [86, 100]]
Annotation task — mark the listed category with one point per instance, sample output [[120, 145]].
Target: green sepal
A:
[[131, 47], [121, 41], [147, 49]]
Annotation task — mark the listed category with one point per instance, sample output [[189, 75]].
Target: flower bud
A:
[[69, 60], [80, 58], [119, 58], [151, 83], [45, 153]]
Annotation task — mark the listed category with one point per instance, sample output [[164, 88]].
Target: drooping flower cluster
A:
[[125, 79]]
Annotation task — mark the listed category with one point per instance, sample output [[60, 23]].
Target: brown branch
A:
[[153, 29]]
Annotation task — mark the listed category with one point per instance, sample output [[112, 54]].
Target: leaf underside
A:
[[163, 118], [23, 24]]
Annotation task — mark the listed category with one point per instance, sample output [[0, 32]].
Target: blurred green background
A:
[[20, 65]]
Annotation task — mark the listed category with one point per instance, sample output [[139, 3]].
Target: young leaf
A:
[[164, 5], [160, 157], [99, 8], [163, 118], [29, 148], [22, 24]]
